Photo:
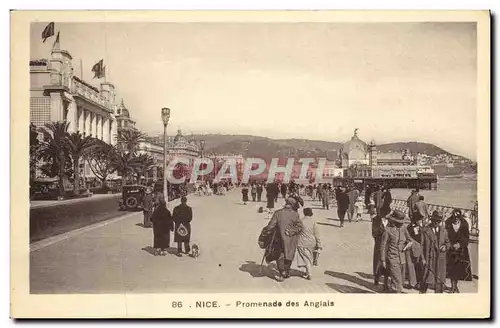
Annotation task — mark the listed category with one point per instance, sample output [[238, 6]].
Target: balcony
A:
[[90, 94]]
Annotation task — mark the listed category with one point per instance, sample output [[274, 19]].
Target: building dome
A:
[[123, 111], [354, 145], [180, 140], [354, 151]]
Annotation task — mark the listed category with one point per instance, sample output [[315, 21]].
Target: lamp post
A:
[[202, 146], [165, 116]]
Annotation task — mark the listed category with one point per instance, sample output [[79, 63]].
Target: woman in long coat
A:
[[458, 260], [244, 192], [435, 244], [386, 202], [162, 225], [182, 216]]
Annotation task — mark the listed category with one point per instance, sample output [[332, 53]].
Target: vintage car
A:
[[132, 196]]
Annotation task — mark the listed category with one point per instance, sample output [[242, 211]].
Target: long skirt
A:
[[270, 201], [305, 256], [161, 236], [245, 197]]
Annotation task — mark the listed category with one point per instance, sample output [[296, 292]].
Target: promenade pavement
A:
[[116, 256]]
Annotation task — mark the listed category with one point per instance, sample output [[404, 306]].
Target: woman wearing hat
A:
[[458, 261], [435, 244], [395, 241]]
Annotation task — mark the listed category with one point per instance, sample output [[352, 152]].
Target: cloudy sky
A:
[[395, 81]]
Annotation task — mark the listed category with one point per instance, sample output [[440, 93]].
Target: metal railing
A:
[[470, 214], [90, 94]]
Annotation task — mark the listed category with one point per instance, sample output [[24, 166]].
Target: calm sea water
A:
[[453, 192]]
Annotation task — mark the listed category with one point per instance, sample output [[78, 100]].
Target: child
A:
[[309, 242], [359, 208]]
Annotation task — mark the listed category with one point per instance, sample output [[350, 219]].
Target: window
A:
[[39, 110]]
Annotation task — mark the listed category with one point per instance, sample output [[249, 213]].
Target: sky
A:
[[392, 81]]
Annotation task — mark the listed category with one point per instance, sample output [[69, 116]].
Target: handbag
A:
[[182, 230]]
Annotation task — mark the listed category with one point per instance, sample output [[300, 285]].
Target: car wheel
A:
[[131, 203]]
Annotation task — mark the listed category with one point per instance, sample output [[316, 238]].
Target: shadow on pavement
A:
[[142, 225], [348, 289], [259, 271], [151, 250], [365, 275], [354, 280], [329, 224]]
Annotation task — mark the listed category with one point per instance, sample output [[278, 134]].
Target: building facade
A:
[[56, 94]]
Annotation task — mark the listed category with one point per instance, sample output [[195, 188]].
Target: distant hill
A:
[[267, 148]]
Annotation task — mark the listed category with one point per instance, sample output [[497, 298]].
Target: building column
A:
[[98, 123], [56, 107], [72, 117], [87, 118], [92, 124], [80, 119], [105, 130], [114, 132]]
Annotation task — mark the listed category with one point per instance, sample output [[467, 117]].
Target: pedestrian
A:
[[182, 217], [410, 202], [319, 192], [458, 261], [342, 205], [298, 200], [353, 195], [147, 207], [260, 189], [420, 211], [271, 192], [244, 192], [286, 226], [283, 189], [162, 225], [414, 264], [378, 228], [435, 244], [253, 191], [326, 197], [368, 194], [377, 199], [395, 241], [359, 209], [309, 243], [386, 202]]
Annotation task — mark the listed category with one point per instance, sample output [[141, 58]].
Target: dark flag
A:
[[57, 41], [48, 31], [99, 69]]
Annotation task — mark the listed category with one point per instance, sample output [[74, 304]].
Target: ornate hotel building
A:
[[56, 94]]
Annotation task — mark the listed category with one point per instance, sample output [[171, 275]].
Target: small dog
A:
[[195, 251], [260, 210]]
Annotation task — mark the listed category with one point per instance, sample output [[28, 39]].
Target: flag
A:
[[48, 31], [99, 69], [56, 42]]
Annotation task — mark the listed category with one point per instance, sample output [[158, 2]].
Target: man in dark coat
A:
[[283, 189], [395, 241], [147, 207], [271, 194], [368, 195], [182, 216], [414, 196], [342, 205], [458, 260], [414, 267], [162, 225], [259, 191], [435, 244], [287, 227], [378, 227], [386, 202], [377, 199]]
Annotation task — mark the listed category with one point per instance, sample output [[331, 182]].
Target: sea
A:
[[450, 192]]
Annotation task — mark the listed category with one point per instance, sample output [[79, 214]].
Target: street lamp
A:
[[202, 146], [165, 116]]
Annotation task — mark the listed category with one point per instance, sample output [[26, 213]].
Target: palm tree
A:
[[53, 148], [129, 140], [79, 146], [142, 164], [123, 163]]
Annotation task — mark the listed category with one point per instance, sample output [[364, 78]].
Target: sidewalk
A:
[[49, 203]]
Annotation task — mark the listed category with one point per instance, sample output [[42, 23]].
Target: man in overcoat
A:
[[287, 226], [377, 199], [395, 241], [147, 207], [435, 244], [353, 195], [182, 217]]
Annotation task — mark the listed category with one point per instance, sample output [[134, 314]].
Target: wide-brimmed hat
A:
[[396, 216], [457, 213], [436, 216]]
